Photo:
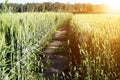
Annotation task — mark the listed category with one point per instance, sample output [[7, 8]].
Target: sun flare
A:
[[114, 6]]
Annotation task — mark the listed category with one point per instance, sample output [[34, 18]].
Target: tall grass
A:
[[22, 39], [98, 39]]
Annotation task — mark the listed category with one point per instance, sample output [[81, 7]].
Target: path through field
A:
[[56, 54]]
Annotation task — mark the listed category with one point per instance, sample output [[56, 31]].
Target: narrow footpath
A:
[[56, 54]]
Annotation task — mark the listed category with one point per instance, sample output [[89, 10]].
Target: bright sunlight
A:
[[114, 6]]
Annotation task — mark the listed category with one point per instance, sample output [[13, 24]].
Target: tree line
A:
[[55, 7]]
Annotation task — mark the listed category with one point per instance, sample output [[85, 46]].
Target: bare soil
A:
[[55, 54]]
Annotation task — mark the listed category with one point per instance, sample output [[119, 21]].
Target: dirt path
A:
[[56, 54]]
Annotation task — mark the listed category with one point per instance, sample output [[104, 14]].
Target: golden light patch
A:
[[114, 6]]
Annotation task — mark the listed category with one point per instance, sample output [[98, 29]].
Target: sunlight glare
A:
[[114, 6]]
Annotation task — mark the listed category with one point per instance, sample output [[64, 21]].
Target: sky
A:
[[65, 1]]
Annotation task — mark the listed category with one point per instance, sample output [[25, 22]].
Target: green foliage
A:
[[97, 36], [5, 7], [56, 7], [22, 39]]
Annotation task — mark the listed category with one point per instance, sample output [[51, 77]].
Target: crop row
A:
[[96, 39], [22, 39]]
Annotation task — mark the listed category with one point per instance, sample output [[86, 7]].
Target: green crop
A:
[[98, 37], [23, 36]]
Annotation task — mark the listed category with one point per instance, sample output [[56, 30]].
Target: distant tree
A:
[[77, 7], [100, 8], [40, 8], [54, 7], [89, 8], [1, 7]]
